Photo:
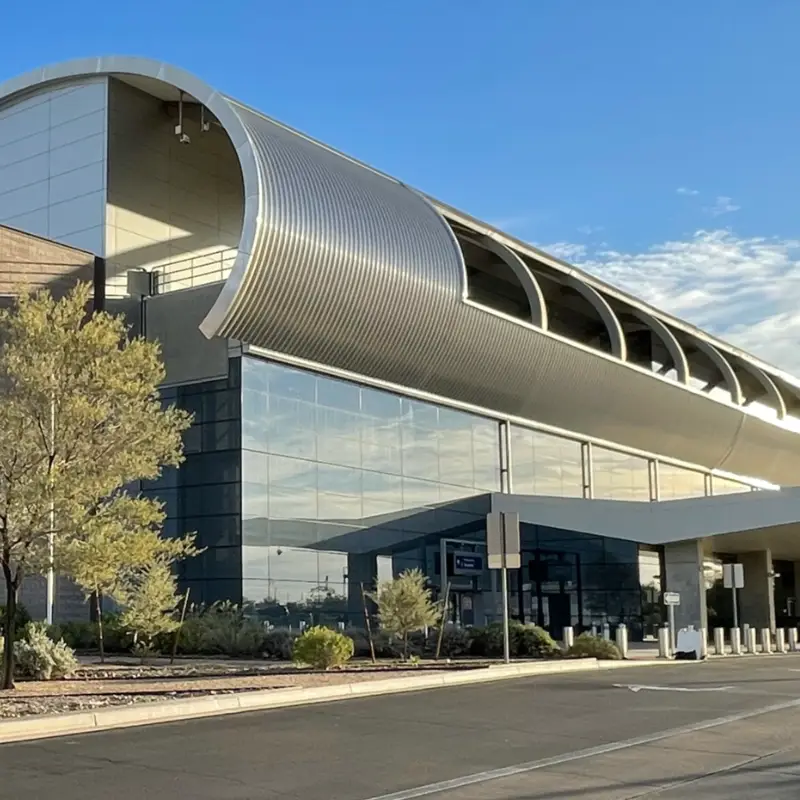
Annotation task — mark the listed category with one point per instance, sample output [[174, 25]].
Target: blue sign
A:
[[468, 563]]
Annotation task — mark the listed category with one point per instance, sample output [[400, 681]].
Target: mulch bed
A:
[[115, 684]]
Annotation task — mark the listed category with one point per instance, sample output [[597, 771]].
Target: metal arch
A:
[[769, 387], [668, 339], [219, 105], [533, 290], [619, 347], [724, 366]]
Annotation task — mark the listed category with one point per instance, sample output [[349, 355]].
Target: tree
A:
[[150, 597], [110, 551], [405, 605], [81, 420]]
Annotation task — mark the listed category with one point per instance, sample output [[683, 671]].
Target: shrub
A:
[[322, 648], [77, 635], [39, 657], [588, 646], [222, 629], [278, 645], [455, 641], [21, 619], [535, 642]]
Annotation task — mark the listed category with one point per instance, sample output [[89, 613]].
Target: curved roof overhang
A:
[[342, 266]]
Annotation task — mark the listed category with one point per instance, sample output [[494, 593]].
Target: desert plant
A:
[[588, 646], [405, 605], [38, 656], [78, 635], [455, 641], [82, 420], [535, 642], [322, 648], [278, 645], [150, 598], [21, 618]]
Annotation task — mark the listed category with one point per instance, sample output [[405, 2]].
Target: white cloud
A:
[[722, 205], [687, 191], [588, 230], [745, 290]]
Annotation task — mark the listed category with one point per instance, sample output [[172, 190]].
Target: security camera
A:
[[183, 138]]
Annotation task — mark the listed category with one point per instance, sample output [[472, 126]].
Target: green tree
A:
[[150, 597], [111, 550], [81, 419], [405, 605]]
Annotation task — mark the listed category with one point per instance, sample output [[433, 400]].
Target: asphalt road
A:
[[585, 735]]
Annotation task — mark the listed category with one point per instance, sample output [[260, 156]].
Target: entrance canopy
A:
[[733, 523]]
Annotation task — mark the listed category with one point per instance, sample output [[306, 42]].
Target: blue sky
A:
[[652, 143]]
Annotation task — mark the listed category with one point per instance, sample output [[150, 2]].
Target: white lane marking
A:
[[531, 766], [637, 688]]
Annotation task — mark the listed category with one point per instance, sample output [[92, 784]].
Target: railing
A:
[[193, 271]]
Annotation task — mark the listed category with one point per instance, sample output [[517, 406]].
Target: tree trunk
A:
[[405, 645], [99, 607], [12, 587]]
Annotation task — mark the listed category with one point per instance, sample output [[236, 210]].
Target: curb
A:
[[109, 718]]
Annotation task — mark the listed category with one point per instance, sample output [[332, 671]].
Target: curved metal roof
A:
[[344, 266]]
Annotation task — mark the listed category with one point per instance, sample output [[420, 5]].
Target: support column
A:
[[361, 568], [683, 563], [757, 599]]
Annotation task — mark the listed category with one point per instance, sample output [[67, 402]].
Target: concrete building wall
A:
[[53, 163], [175, 207]]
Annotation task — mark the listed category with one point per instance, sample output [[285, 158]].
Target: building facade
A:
[[372, 372]]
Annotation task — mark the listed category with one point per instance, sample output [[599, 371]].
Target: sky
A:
[[653, 144]]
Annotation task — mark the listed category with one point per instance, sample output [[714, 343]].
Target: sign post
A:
[[502, 543], [672, 599], [733, 579]]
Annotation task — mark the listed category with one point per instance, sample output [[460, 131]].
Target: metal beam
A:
[[523, 274], [619, 347], [668, 339], [723, 365]]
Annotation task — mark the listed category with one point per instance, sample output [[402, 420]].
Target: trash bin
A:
[[689, 646]]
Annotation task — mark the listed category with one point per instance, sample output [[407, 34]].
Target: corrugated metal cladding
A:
[[342, 266], [356, 271]]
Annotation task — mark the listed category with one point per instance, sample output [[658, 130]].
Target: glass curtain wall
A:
[[202, 496], [678, 483], [620, 476], [545, 464], [338, 479]]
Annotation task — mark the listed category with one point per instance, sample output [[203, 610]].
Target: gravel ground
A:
[[95, 686]]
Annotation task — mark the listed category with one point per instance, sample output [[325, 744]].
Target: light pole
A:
[[51, 575]]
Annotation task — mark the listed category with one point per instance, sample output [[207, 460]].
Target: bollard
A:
[[745, 634], [719, 641], [736, 641], [792, 640], [766, 640], [606, 631], [780, 640], [750, 644], [594, 630], [569, 637], [663, 643], [622, 640], [703, 642]]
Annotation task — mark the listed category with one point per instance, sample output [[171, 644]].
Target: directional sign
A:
[[502, 540], [672, 599], [467, 563], [733, 576]]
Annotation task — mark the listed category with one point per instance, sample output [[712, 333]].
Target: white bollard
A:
[[736, 641], [750, 643], [703, 642], [663, 643], [745, 634], [780, 640], [622, 639], [569, 637], [719, 641], [606, 631], [792, 640], [766, 641]]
